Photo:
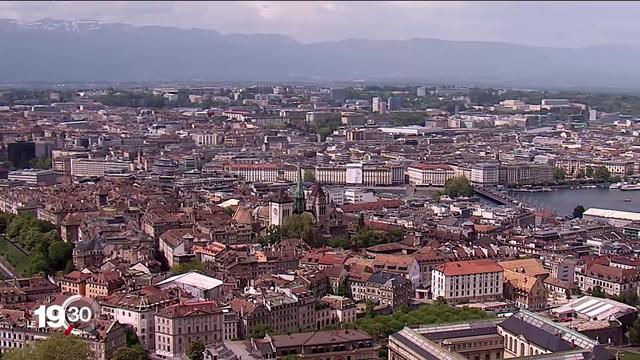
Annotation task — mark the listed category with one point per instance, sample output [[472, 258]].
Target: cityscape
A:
[[324, 217]]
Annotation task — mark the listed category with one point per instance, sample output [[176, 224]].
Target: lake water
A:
[[562, 201]]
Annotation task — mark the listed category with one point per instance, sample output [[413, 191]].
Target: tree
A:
[[370, 309], [273, 235], [589, 172], [559, 174], [309, 175], [193, 265], [630, 297], [369, 237], [458, 186], [195, 351], [634, 333], [598, 292], [567, 294], [602, 173], [59, 252], [440, 301], [261, 330], [580, 174], [338, 243], [300, 226], [361, 223], [56, 347], [578, 211], [135, 352], [343, 290]]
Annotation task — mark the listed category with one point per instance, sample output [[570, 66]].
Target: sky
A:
[[558, 24]]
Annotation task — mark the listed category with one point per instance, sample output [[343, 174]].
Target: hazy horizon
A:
[[549, 24]]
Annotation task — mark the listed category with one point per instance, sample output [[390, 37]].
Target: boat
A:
[[630, 187], [627, 200], [615, 185]]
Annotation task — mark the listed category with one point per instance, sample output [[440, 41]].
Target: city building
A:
[[429, 174], [468, 281]]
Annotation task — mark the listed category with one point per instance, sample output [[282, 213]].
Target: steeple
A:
[[299, 205]]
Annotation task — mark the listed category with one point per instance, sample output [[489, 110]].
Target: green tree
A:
[[598, 292], [343, 290], [634, 333], [458, 186], [338, 243], [56, 347], [193, 265], [369, 237], [260, 330], [41, 163], [300, 226], [273, 235], [602, 173], [361, 223], [195, 351], [580, 174], [630, 297], [559, 174], [309, 175], [440, 301], [370, 309], [578, 211], [59, 252], [135, 352], [395, 235], [589, 172]]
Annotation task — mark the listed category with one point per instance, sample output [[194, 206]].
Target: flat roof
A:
[[613, 214], [193, 279]]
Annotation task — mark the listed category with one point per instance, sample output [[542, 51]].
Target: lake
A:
[[562, 201]]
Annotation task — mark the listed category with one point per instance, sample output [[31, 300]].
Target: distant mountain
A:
[[81, 51]]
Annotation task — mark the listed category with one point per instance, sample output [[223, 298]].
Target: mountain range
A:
[[53, 51]]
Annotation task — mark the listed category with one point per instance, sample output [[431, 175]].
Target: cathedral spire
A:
[[299, 205]]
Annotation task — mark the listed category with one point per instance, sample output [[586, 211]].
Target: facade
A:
[[526, 291], [429, 174], [485, 174], [178, 325], [98, 167], [468, 281], [280, 208], [325, 345], [33, 177], [612, 280]]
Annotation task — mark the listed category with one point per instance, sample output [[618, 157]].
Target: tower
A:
[[280, 208], [299, 205], [319, 200]]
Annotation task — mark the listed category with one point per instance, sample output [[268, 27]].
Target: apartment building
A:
[[429, 174], [484, 174], [33, 176], [178, 325], [137, 311], [265, 172], [321, 345], [612, 280], [525, 174], [208, 139], [99, 167], [526, 291], [468, 281]]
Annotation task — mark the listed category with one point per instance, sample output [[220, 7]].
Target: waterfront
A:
[[564, 200]]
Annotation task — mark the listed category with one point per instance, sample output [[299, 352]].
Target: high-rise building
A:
[[421, 91], [394, 103], [21, 153], [375, 104]]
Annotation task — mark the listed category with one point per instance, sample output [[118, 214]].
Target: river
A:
[[562, 201]]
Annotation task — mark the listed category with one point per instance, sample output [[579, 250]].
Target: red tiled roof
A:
[[469, 267], [374, 205]]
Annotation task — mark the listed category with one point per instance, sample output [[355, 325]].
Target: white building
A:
[[99, 167], [429, 174], [33, 176], [467, 281], [198, 285], [485, 174]]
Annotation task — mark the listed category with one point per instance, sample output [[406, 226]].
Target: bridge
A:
[[500, 198]]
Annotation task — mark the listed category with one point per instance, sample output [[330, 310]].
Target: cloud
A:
[[568, 24]]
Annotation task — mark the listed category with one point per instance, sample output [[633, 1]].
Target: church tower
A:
[[299, 205], [319, 202]]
